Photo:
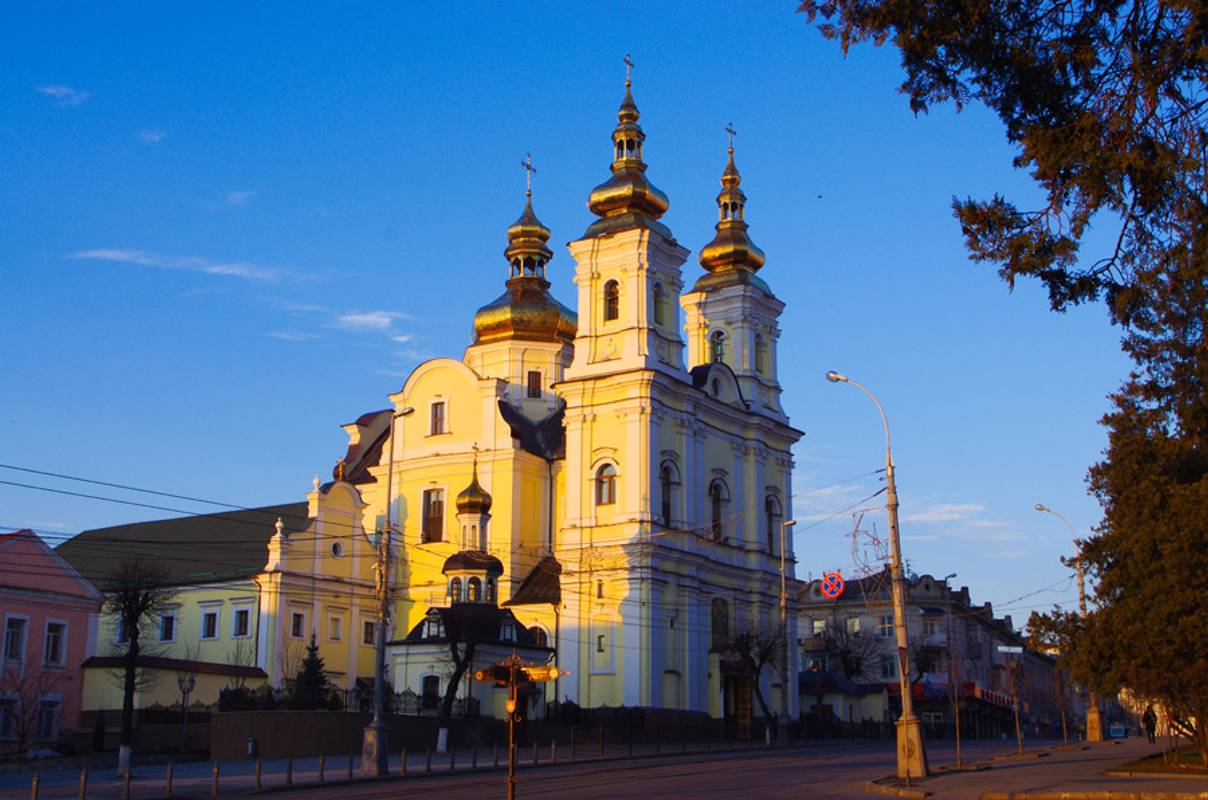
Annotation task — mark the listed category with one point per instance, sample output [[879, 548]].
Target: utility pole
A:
[[912, 755], [1094, 725], [786, 684], [512, 673]]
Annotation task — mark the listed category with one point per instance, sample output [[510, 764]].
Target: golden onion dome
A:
[[627, 199], [526, 310], [474, 499], [731, 248]]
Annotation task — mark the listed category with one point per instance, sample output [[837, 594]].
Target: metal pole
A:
[[784, 626], [911, 755], [512, 740]]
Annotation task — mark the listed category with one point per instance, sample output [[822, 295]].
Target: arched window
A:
[[771, 512], [473, 590], [717, 347], [658, 299], [717, 502], [612, 301], [667, 492], [455, 590], [539, 636], [761, 355], [719, 616], [606, 485], [491, 590]]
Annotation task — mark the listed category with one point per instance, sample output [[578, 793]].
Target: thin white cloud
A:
[[143, 258], [402, 338], [367, 321], [240, 198], [151, 136], [945, 512], [293, 336], [64, 95]]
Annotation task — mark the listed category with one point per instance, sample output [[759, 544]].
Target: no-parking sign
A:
[[832, 585]]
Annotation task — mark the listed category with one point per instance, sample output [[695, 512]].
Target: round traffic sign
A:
[[832, 585]]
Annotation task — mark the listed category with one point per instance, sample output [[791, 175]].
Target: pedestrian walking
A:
[[1150, 720]]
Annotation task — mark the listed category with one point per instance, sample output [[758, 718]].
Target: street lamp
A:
[[375, 749], [912, 755], [784, 627], [1094, 726], [185, 682]]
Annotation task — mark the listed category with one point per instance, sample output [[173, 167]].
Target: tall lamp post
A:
[[786, 685], [375, 748], [1094, 726], [912, 755]]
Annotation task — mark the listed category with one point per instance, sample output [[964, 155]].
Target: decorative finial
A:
[[316, 483], [731, 133], [628, 69], [529, 170], [280, 526], [340, 470]]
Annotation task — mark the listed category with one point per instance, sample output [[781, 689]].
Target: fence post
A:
[[33, 788], [452, 759], [257, 774], [167, 780], [630, 737], [350, 756], [683, 739], [553, 750], [322, 768], [572, 744], [84, 783], [126, 785], [214, 781], [534, 751], [658, 738], [428, 765], [289, 771], [403, 767], [497, 754], [474, 758], [601, 741]]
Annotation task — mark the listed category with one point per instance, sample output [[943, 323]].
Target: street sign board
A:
[[832, 585], [1010, 648]]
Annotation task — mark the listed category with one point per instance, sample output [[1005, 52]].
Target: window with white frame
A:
[[534, 383], [853, 625], [297, 625], [209, 624], [885, 626], [48, 719], [434, 516], [167, 627], [16, 630], [930, 626], [241, 626], [54, 649], [819, 628], [369, 632], [507, 632], [889, 667], [437, 422], [606, 485], [335, 627]]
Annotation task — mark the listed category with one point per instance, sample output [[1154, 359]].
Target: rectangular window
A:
[[297, 625], [438, 418], [600, 643], [167, 628], [816, 662], [55, 652], [243, 623], [209, 625], [534, 383], [507, 632], [853, 625], [14, 639], [48, 720], [335, 628], [819, 628], [434, 515], [369, 632], [889, 667], [120, 631], [885, 628], [930, 627], [8, 719]]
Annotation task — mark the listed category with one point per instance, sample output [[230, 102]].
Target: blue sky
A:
[[225, 232]]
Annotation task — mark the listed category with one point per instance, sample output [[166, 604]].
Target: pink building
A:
[[50, 614]]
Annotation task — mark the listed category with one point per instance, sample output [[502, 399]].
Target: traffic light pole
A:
[[511, 674]]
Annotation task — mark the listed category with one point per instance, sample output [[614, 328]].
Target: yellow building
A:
[[627, 468]]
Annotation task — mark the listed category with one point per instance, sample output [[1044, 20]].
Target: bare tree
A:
[[136, 594], [241, 654], [23, 687], [857, 652], [758, 648], [1015, 688], [459, 660]]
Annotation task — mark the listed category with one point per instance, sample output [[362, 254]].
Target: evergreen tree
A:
[[311, 686]]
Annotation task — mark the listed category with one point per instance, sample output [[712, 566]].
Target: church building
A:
[[617, 478]]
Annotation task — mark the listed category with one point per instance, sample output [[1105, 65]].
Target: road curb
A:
[[1121, 773], [872, 787], [1108, 795]]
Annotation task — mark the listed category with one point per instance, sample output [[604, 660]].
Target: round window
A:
[[337, 549]]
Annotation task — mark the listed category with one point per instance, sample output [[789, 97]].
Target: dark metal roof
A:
[[209, 547], [473, 560], [545, 438], [478, 622], [177, 665], [542, 585]]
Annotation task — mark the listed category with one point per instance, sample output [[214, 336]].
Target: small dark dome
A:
[[473, 561], [473, 499]]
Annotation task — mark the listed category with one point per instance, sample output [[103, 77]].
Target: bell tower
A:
[[730, 314], [628, 266]]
